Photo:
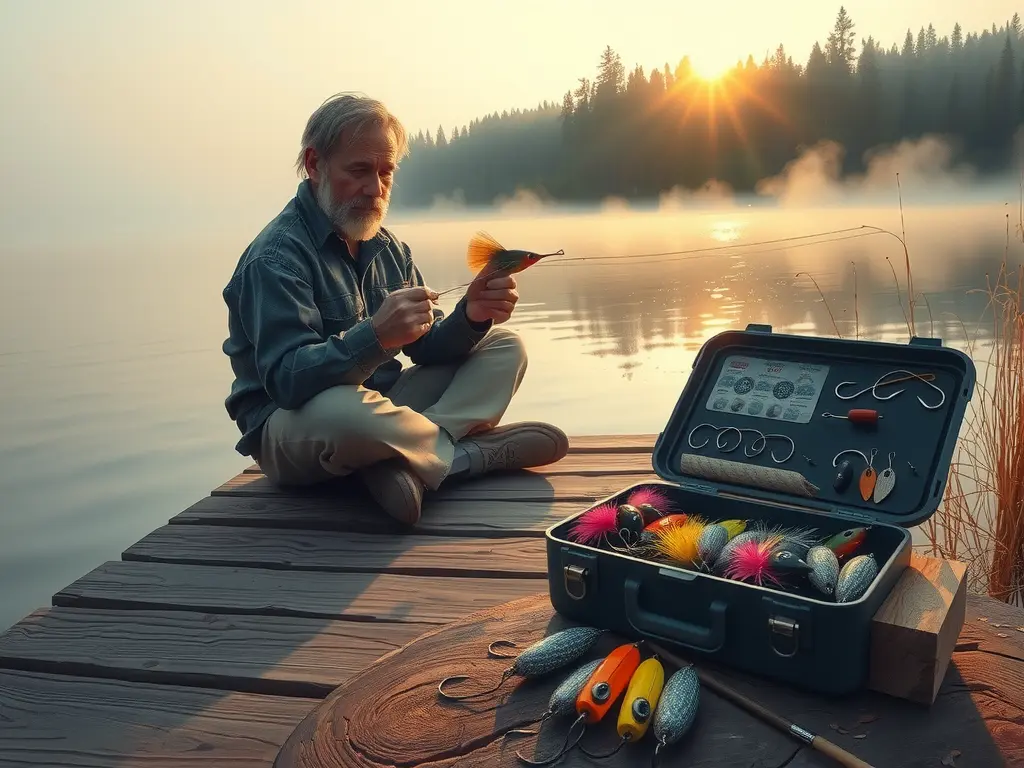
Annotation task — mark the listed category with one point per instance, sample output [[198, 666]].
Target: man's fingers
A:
[[504, 294], [499, 282]]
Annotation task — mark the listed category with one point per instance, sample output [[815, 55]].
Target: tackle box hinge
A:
[[699, 487], [758, 328], [925, 341], [854, 514]]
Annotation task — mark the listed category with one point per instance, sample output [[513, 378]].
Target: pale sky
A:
[[137, 107]]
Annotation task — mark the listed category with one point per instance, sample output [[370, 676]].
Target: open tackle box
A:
[[749, 440]]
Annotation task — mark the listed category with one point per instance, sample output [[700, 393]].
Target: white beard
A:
[[354, 224]]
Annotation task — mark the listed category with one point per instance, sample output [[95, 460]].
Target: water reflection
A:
[[632, 308]]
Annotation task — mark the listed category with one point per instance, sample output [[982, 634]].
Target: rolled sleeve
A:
[[294, 362]]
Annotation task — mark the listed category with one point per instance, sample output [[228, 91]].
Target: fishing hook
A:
[[725, 430], [870, 389], [919, 398], [565, 744], [690, 438], [507, 643], [835, 461], [460, 697], [764, 439], [622, 742]]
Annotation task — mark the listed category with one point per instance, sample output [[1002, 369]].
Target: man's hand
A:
[[491, 296], [404, 316]]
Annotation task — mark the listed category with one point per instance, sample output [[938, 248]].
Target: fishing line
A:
[[847, 233]]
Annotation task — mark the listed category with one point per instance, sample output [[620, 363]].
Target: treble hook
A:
[[494, 654], [565, 744], [919, 398], [461, 697]]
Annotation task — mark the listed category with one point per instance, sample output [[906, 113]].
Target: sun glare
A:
[[710, 71]]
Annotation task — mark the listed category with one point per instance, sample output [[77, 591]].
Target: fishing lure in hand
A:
[[601, 690], [638, 705], [487, 253], [542, 657]]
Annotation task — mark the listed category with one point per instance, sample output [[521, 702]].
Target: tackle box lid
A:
[[757, 399]]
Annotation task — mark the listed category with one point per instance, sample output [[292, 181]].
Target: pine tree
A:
[[840, 50], [440, 141], [957, 41]]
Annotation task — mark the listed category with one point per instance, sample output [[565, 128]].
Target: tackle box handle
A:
[[670, 630]]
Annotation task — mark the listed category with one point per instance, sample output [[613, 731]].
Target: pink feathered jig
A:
[[594, 524], [752, 561], [656, 497]]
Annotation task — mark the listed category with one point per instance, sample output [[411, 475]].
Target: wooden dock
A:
[[214, 636]]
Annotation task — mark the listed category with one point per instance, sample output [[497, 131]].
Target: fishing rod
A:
[[485, 251], [813, 740]]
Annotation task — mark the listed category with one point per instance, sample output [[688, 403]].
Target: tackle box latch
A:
[[575, 581], [780, 625]]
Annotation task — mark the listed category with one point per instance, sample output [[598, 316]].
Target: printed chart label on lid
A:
[[768, 388]]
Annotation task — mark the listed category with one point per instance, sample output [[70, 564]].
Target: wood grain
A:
[[391, 715], [914, 631], [258, 654], [343, 552], [73, 722], [482, 519], [349, 596], [510, 486]]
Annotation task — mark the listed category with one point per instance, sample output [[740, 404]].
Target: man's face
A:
[[353, 185]]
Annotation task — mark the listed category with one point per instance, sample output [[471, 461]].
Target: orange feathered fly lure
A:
[[487, 253]]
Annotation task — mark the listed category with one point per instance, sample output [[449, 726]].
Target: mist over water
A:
[[114, 382]]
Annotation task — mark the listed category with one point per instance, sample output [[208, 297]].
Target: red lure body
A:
[[665, 522]]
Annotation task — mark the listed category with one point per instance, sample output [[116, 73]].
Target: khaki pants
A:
[[345, 428]]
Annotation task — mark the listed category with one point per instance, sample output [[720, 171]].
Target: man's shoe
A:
[[396, 489], [513, 447]]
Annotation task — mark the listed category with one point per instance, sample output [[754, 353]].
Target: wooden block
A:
[[915, 630]]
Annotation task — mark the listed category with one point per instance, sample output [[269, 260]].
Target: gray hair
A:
[[351, 114]]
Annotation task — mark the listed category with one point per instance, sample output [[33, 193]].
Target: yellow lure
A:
[[641, 700]]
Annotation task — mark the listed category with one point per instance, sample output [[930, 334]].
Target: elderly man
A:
[[319, 306]]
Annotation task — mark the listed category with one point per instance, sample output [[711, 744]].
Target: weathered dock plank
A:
[[282, 656], [482, 519], [342, 552], [510, 487], [74, 722], [348, 596]]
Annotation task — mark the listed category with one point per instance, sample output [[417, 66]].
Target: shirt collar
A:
[[317, 220]]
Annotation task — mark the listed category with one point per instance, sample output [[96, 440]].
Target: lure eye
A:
[[601, 691], [641, 710]]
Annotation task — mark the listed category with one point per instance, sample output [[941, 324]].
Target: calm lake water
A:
[[113, 379]]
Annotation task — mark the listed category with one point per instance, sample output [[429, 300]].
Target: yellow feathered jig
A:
[[679, 542]]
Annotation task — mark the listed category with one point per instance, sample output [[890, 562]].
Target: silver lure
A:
[[855, 578], [711, 541], [563, 699], [677, 708], [555, 651], [824, 569]]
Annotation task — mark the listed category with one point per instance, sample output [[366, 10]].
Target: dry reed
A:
[[980, 519]]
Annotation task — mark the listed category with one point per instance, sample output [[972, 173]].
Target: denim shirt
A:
[[299, 308]]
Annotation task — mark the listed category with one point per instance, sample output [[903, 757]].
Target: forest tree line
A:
[[634, 134]]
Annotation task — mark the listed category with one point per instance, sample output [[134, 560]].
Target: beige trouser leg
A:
[[347, 427]]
